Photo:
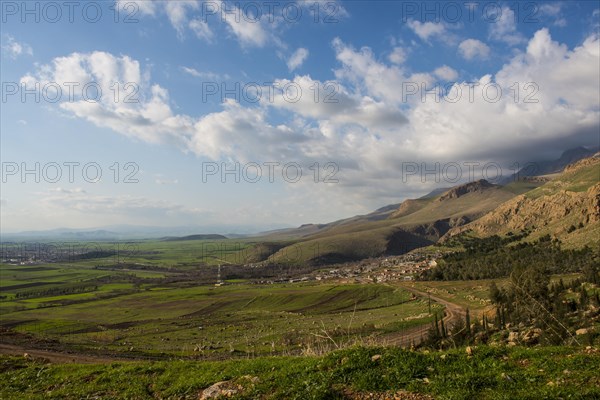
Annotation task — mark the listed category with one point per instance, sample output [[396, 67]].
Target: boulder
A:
[[531, 336], [219, 390]]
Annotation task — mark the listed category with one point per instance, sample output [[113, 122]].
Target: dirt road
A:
[[416, 335], [55, 357]]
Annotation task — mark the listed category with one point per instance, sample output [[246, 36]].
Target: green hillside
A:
[[412, 224]]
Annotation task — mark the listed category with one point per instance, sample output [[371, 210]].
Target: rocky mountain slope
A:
[[567, 207]]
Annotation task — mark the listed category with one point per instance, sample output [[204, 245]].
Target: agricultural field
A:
[[162, 310]]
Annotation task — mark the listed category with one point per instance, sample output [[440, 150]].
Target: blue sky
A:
[[368, 127]]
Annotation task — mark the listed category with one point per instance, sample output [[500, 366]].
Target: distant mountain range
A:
[[194, 237], [540, 168], [123, 232]]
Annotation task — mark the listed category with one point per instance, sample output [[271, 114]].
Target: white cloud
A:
[[446, 73], [562, 75], [141, 110], [14, 49], [297, 58], [248, 30], [397, 56], [327, 11], [504, 28], [554, 12], [144, 7], [193, 72], [212, 76], [332, 102], [472, 48], [370, 131], [426, 30], [550, 8], [201, 29], [177, 12], [373, 78]]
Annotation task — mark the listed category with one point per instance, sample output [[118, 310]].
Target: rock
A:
[[582, 331], [376, 357], [220, 389], [532, 336]]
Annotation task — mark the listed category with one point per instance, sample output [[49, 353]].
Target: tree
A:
[[468, 323], [495, 293]]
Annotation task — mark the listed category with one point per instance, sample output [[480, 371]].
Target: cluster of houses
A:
[[383, 269]]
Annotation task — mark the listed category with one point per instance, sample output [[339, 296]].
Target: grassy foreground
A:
[[486, 373]]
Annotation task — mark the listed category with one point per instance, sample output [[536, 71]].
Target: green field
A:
[[161, 311]]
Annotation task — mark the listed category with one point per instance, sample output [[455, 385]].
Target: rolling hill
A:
[[393, 229]]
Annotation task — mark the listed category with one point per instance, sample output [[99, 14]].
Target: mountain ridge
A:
[[567, 208]]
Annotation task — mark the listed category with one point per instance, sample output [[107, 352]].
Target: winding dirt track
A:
[[414, 336], [56, 357]]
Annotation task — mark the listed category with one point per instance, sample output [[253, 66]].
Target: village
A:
[[383, 269]]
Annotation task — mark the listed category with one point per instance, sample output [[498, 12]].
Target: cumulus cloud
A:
[[504, 28], [373, 127], [177, 12], [138, 109], [297, 58], [473, 48], [397, 56], [14, 49], [250, 31], [373, 78], [426, 30], [553, 11], [446, 73]]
